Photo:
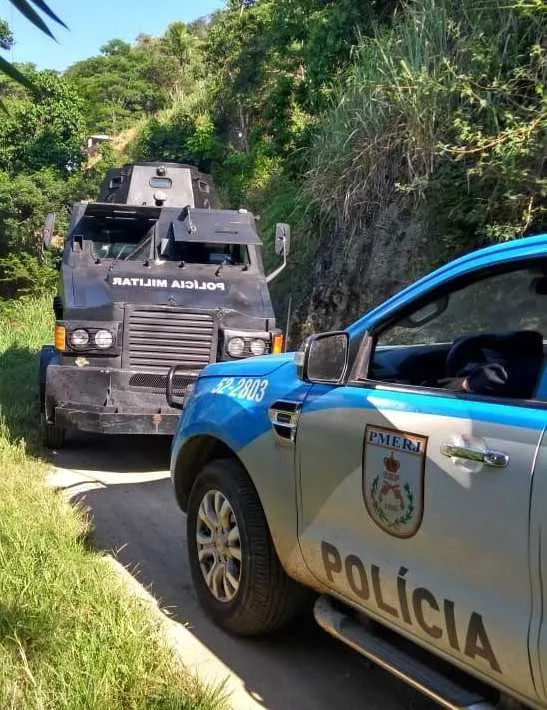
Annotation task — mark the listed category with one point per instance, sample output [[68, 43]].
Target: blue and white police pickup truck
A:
[[397, 470]]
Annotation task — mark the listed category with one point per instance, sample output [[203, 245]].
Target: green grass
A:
[[71, 636], [447, 109]]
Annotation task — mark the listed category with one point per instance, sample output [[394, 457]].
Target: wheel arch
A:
[[274, 495], [192, 457]]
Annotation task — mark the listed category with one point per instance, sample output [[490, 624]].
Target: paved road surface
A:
[[125, 483]]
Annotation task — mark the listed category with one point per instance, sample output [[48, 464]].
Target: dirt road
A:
[[126, 485]]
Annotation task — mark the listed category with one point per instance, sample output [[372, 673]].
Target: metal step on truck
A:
[[152, 275]]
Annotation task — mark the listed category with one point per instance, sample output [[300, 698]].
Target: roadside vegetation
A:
[[446, 107], [323, 113], [71, 636]]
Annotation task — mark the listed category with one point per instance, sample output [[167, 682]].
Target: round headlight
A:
[[236, 347], [258, 346], [79, 338], [103, 339]]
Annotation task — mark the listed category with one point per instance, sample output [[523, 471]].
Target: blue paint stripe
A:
[[237, 422]]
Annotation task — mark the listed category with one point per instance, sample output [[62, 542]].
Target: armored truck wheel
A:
[[237, 575], [54, 437], [47, 355]]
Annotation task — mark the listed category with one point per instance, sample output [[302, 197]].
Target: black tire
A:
[[267, 598], [42, 388], [53, 436], [47, 354]]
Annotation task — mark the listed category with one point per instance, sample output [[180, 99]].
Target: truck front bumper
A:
[[104, 400]]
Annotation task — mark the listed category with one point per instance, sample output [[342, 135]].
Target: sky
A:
[[91, 24]]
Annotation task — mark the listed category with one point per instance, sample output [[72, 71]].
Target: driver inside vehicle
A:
[[500, 365]]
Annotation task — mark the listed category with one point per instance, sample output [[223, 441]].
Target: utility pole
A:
[[289, 309]]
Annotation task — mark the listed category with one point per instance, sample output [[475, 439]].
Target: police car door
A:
[[415, 499]]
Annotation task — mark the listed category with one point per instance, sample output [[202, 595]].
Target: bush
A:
[[25, 201], [184, 135], [447, 106], [24, 274]]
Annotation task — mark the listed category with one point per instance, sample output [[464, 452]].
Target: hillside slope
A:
[[392, 136], [425, 139]]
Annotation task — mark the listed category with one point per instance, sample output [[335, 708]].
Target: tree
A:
[[6, 37], [44, 129], [116, 48], [123, 82], [182, 43], [275, 62]]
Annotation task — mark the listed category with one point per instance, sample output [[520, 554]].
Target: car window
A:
[[508, 300], [117, 238], [487, 324], [205, 253]]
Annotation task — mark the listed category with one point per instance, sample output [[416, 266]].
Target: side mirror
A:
[[177, 387], [47, 232], [282, 239], [282, 248], [324, 358]]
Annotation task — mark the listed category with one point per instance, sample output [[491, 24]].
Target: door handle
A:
[[497, 459]]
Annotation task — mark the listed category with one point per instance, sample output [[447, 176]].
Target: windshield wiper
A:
[[135, 250], [118, 257], [221, 266]]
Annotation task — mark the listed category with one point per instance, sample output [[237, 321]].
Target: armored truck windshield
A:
[[116, 238], [128, 239], [207, 253]]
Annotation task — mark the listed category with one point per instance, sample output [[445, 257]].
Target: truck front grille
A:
[[158, 383], [156, 338]]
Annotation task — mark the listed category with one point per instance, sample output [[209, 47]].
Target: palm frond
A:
[[41, 5], [26, 9]]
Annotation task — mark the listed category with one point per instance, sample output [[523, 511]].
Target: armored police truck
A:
[[152, 275]]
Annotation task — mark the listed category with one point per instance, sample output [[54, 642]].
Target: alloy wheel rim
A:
[[218, 546]]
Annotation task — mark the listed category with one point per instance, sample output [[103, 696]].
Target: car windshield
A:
[[131, 239], [204, 253], [118, 238]]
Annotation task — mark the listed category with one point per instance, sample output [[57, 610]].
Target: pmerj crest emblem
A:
[[393, 479]]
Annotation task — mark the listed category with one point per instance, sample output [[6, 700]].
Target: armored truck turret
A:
[[154, 275]]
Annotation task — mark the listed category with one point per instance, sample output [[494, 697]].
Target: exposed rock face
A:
[[349, 276]]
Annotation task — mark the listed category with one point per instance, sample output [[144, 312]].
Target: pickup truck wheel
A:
[[54, 437], [237, 575]]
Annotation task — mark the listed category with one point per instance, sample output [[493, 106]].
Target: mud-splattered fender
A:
[[230, 416]]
